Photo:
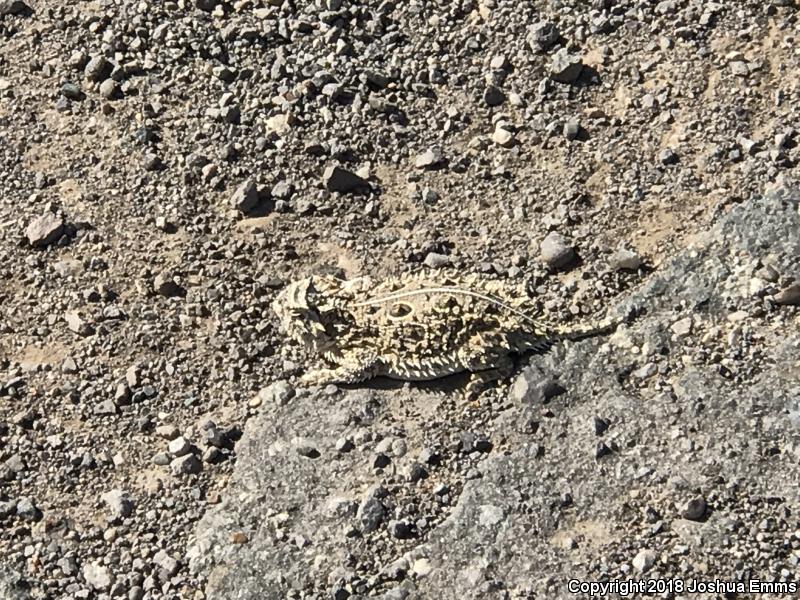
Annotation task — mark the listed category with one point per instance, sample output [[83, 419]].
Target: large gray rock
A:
[[546, 505]]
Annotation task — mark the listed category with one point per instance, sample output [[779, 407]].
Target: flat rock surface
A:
[[716, 419]]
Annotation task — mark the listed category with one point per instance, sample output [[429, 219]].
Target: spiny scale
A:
[[412, 327]]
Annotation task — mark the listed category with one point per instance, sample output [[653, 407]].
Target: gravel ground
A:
[[166, 166]]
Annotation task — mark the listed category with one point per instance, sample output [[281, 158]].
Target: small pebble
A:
[[556, 251]]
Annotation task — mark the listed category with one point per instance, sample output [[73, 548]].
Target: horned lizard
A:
[[414, 327]]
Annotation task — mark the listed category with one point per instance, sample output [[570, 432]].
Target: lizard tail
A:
[[582, 334]]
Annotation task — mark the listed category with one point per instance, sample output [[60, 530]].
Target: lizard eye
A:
[[398, 310]]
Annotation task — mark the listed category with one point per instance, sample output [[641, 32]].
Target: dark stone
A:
[[668, 157], [417, 472], [601, 425], [381, 461], [337, 179], [371, 513], [601, 450], [399, 530], [695, 509], [72, 91], [493, 96], [14, 7]]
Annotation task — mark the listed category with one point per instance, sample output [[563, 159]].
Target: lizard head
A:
[[307, 311]]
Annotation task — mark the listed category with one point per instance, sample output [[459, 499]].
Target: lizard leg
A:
[[362, 367], [486, 369]]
